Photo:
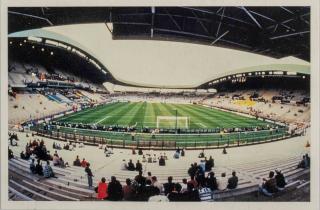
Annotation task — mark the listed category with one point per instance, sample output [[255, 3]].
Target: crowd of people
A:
[[201, 185]]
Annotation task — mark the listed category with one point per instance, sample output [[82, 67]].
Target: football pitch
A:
[[161, 115]]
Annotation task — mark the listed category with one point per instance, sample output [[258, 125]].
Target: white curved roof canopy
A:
[[163, 64]]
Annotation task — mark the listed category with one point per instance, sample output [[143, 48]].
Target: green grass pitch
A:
[[143, 114]]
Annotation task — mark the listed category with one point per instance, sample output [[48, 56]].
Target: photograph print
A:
[[159, 104]]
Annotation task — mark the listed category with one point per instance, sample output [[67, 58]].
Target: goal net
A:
[[172, 122]]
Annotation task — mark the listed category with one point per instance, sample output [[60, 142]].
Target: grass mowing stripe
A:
[[118, 112], [125, 118], [245, 121], [139, 115], [225, 119], [95, 116], [197, 117], [81, 115]]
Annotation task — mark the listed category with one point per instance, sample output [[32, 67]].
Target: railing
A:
[[164, 141]]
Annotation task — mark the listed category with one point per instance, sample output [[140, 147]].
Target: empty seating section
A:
[[264, 106], [32, 106]]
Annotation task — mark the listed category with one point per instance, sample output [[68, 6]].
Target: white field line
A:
[[201, 124], [99, 121]]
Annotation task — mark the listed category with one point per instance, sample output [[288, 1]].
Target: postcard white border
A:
[[313, 204]]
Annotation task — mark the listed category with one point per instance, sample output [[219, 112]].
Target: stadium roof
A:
[[273, 31], [134, 58]]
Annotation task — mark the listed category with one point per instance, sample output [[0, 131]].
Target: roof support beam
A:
[[214, 13], [288, 35], [217, 39], [201, 23], [260, 15], [285, 9], [202, 36], [251, 16], [32, 16], [173, 20], [218, 29]]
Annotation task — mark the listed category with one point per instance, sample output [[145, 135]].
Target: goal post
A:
[[173, 121]]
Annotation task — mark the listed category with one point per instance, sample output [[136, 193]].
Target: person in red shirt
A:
[[84, 163], [102, 192]]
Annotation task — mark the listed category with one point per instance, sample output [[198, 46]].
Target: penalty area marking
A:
[[202, 125], [99, 121]]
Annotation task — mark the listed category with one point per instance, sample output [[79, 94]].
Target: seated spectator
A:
[[145, 192], [130, 166], [233, 181], [66, 147], [211, 162], [205, 193], [39, 169], [162, 161], [10, 154], [269, 186], [84, 163], [307, 161], [48, 172], [140, 152], [77, 161], [211, 181], [124, 165], [280, 180], [22, 155], [176, 194], [193, 169], [56, 153], [138, 166], [149, 176], [102, 190], [32, 167], [202, 166], [222, 182], [176, 155], [13, 142], [182, 153], [201, 155], [150, 159], [128, 191], [62, 164], [184, 185], [140, 179], [144, 159], [193, 182], [56, 160], [156, 183], [115, 190], [224, 151], [154, 160], [133, 151], [81, 145], [191, 194], [168, 187]]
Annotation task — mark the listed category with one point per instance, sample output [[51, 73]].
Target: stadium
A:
[[159, 103]]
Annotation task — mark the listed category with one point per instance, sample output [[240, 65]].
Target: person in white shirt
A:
[[124, 165], [157, 184], [184, 185], [222, 182]]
